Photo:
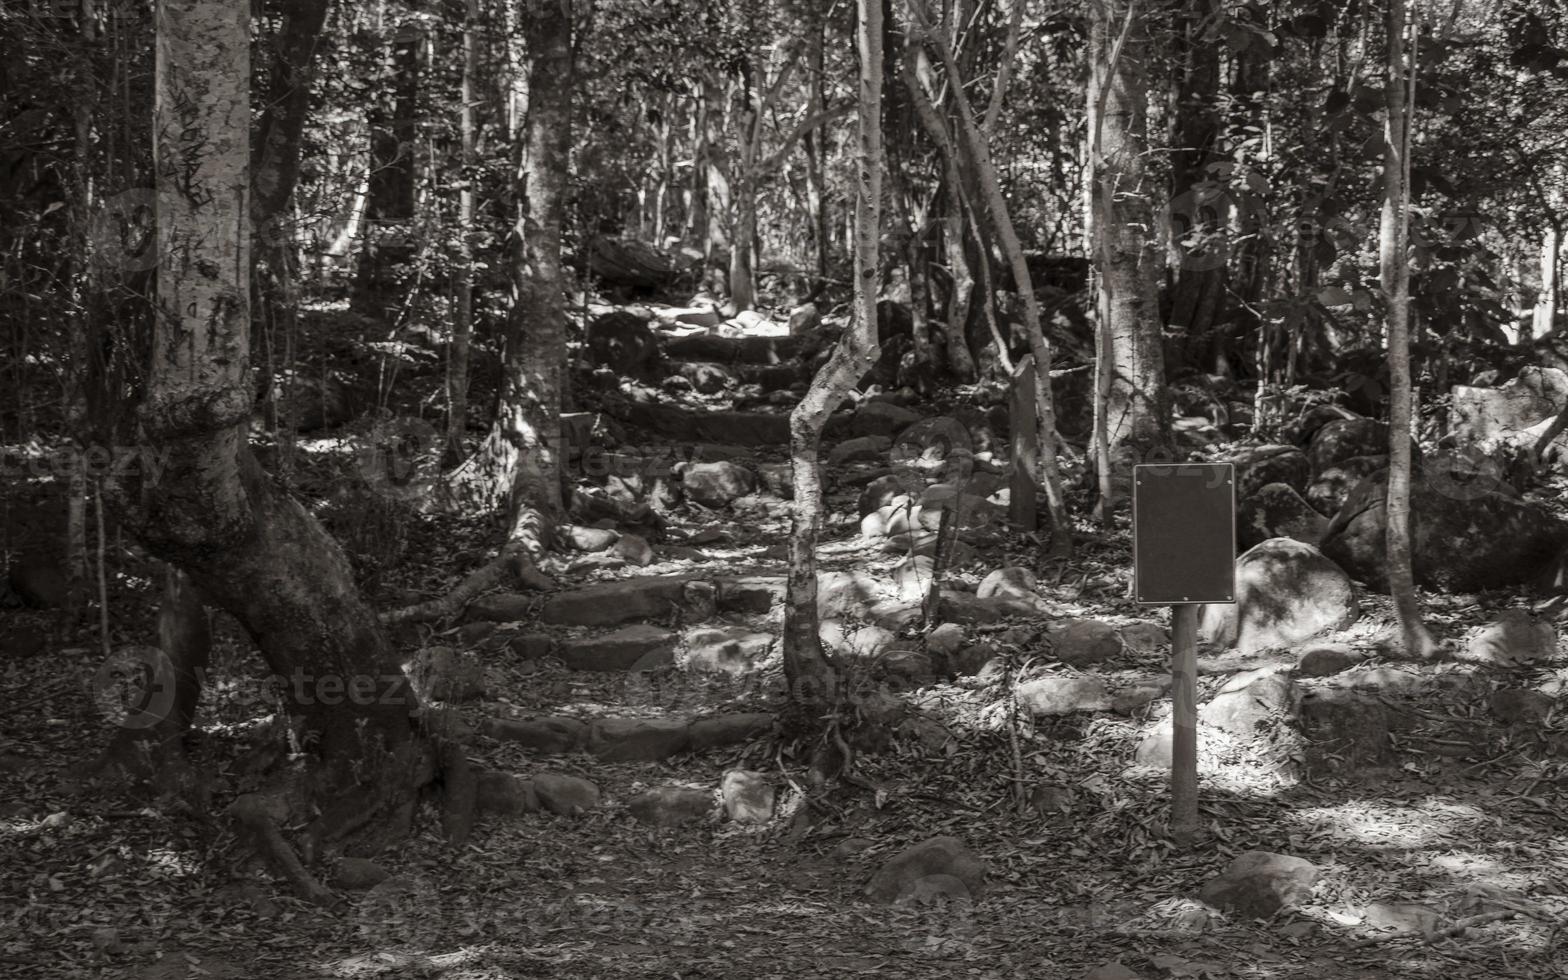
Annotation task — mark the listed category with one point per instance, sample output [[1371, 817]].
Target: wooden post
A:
[[1026, 448], [1184, 724]]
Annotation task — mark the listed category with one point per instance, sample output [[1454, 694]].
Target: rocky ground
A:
[[1366, 817]]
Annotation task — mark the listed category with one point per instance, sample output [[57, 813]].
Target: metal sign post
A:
[[1184, 555]]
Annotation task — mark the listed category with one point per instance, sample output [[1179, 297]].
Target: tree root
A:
[[257, 814], [513, 564]]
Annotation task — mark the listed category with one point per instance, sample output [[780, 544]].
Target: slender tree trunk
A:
[[463, 302], [816, 153], [213, 513], [808, 671], [1395, 275], [1199, 287], [1547, 300], [389, 213]]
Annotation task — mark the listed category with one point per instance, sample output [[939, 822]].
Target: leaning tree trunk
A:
[[1394, 270], [807, 670], [248, 547]]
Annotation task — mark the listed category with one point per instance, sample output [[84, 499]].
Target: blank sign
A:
[[1184, 533]]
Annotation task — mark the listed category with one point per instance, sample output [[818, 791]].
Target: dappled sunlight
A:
[[1416, 824]]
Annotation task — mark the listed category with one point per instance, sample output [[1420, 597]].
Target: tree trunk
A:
[[463, 301], [389, 211], [807, 670], [1197, 212], [816, 154], [1125, 255], [248, 547], [1394, 271], [1547, 299]]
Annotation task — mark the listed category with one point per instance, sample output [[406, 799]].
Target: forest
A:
[[686, 488]]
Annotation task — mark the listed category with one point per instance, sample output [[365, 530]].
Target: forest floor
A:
[[1448, 829]]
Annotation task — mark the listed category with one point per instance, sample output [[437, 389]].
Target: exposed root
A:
[[260, 815]]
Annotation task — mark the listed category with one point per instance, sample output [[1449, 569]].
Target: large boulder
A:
[[1261, 465], [1464, 537], [623, 342], [1276, 510], [1286, 592], [1516, 413], [671, 806], [1344, 438], [717, 484], [1260, 883], [881, 418], [1332, 487]]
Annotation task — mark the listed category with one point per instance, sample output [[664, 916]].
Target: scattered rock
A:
[[1085, 642], [502, 607], [1145, 637], [863, 449], [946, 640], [706, 378], [857, 641], [1514, 638], [1015, 581], [445, 674], [1259, 883], [633, 549], [1402, 917], [878, 418], [1464, 538], [548, 736], [1261, 465], [1278, 511], [638, 740], [591, 538], [1051, 798], [778, 478], [906, 666], [747, 795], [1249, 701], [726, 650], [882, 491], [755, 595], [1286, 592], [900, 875], [1332, 488], [639, 647], [532, 646], [608, 603], [505, 794], [1326, 659], [358, 874], [1515, 413], [1062, 694], [1518, 705], [730, 729], [623, 342], [1347, 729], [717, 484], [671, 806], [565, 795], [1343, 438]]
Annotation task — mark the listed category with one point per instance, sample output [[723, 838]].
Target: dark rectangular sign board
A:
[[1184, 532]]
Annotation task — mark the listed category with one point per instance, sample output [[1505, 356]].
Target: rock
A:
[[1014, 581], [608, 603], [1518, 705], [900, 875], [1140, 694], [358, 874], [730, 729], [861, 642], [671, 806], [754, 595], [846, 595], [882, 491], [1348, 729], [1250, 701], [637, 740], [506, 794], [717, 484], [1278, 511], [1326, 659], [549, 736], [1286, 592], [778, 479], [444, 674], [725, 650], [863, 449], [907, 666], [876, 418], [1462, 539], [1145, 637], [1516, 413], [1402, 917], [38, 581], [1111, 971], [973, 659], [1259, 883], [1331, 489], [706, 378], [565, 795], [1062, 694], [502, 607], [747, 795], [1051, 798], [591, 538], [532, 646], [473, 634], [946, 640], [1515, 638], [913, 575], [1154, 750], [1085, 642], [633, 549], [625, 343], [1343, 438], [639, 647], [1261, 465]]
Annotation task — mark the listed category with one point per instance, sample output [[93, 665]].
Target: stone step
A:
[[629, 739], [732, 350]]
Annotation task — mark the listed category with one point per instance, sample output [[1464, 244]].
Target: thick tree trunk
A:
[[213, 513], [807, 670], [1394, 266], [1126, 258]]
